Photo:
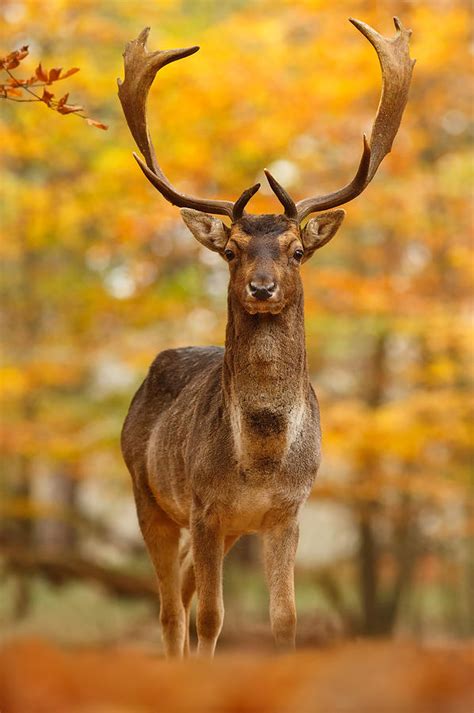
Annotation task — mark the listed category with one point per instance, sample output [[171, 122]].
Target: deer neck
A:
[[265, 382]]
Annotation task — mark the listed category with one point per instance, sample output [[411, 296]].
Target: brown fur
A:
[[227, 441]]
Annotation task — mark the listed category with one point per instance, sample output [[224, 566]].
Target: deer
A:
[[221, 442]]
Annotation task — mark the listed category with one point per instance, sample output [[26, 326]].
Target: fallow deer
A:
[[226, 441]]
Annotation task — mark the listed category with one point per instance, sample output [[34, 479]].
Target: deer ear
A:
[[211, 232], [319, 231]]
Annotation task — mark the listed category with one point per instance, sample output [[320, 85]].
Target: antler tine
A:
[[241, 202], [182, 200], [343, 195], [141, 68], [283, 196], [397, 68]]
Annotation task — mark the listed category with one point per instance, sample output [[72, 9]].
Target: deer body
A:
[[244, 451], [222, 442], [229, 440], [233, 436]]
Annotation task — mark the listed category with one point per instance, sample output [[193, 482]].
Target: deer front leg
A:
[[188, 581], [279, 550], [208, 556]]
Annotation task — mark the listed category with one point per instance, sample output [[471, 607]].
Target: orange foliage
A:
[[100, 273], [42, 78], [358, 677]]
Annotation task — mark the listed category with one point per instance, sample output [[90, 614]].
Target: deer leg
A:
[[188, 580], [279, 550], [208, 557], [188, 586], [161, 537]]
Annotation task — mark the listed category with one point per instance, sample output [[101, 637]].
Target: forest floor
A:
[[349, 677]]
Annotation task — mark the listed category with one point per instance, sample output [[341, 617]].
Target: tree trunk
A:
[[368, 561]]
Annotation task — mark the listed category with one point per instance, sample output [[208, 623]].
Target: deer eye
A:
[[298, 254], [229, 254]]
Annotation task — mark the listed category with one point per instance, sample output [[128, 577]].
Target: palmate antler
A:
[[397, 68], [141, 67]]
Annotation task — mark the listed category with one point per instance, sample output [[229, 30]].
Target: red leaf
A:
[[41, 74], [13, 91], [23, 52], [69, 72], [54, 74], [13, 59], [97, 124], [63, 100], [12, 63], [69, 108], [47, 96]]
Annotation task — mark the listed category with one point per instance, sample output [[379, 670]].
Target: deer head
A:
[[265, 252]]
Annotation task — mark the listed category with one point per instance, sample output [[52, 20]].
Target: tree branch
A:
[[59, 569]]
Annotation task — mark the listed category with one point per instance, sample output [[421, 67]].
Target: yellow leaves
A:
[[16, 382], [447, 39], [13, 382], [293, 82], [346, 291], [58, 441], [342, 432], [18, 438], [442, 370], [27, 509], [426, 428], [411, 446]]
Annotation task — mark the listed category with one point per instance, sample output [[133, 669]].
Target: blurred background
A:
[[99, 274]]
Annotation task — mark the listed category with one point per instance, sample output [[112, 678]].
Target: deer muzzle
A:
[[262, 290]]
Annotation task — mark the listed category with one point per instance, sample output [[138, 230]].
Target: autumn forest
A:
[[99, 274]]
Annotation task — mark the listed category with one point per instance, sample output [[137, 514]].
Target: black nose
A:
[[262, 291]]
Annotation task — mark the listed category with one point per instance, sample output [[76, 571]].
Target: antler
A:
[[141, 67], [283, 196], [397, 68]]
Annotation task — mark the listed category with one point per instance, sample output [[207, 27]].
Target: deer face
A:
[[264, 253]]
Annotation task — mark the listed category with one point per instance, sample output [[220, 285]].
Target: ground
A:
[[354, 677]]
